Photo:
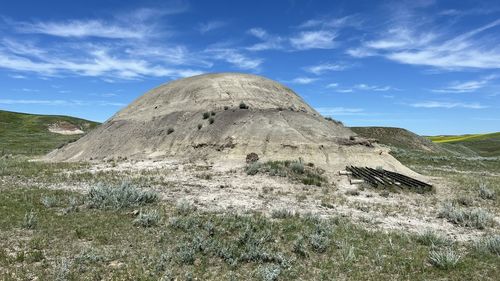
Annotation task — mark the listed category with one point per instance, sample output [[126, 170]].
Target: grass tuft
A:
[[431, 238], [296, 170], [30, 220], [282, 213], [269, 272], [49, 201], [489, 244], [477, 218], [148, 218], [124, 196], [444, 258], [485, 192]]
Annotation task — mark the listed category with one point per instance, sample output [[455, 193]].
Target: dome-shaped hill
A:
[[223, 116]]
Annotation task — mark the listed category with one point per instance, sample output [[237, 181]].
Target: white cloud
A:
[[303, 80], [362, 87], [325, 22], [439, 104], [332, 85], [418, 44], [331, 111], [324, 67], [269, 42], [85, 28], [365, 87], [235, 58], [320, 39], [259, 33], [467, 86], [210, 26], [96, 63], [345, 90], [17, 76]]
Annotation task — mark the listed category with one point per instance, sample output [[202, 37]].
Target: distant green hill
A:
[[482, 144], [29, 134], [399, 138]]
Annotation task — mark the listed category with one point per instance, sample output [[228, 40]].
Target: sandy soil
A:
[[228, 188]]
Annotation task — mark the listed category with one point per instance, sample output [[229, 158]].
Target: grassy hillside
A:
[[482, 144], [22, 133], [398, 137]]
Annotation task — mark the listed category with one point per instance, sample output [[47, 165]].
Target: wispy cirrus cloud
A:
[[466, 86], [84, 28], [269, 42], [303, 80], [332, 111], [416, 44], [361, 87], [315, 39], [325, 67], [94, 61], [448, 105], [210, 26], [235, 58], [329, 22]]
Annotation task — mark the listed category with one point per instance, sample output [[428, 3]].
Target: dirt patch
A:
[[222, 187], [65, 128]]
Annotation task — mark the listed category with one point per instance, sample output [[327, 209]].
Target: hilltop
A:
[[223, 117], [399, 138], [22, 133]]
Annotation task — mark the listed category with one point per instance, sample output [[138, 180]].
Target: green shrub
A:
[[186, 254], [319, 242], [444, 258], [477, 218], [252, 168], [431, 238], [61, 270], [485, 192], [297, 167], [124, 196], [269, 272], [299, 247], [212, 113], [184, 207], [226, 107], [489, 244], [30, 220], [282, 213], [147, 218], [296, 170], [49, 201], [206, 115]]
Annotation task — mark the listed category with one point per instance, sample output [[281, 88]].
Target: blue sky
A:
[[429, 66]]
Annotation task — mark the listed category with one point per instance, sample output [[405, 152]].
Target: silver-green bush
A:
[[431, 238], [126, 195], [477, 217], [148, 218], [485, 192], [444, 258], [30, 220], [489, 244], [49, 201]]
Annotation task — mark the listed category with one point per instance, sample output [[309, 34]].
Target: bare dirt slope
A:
[[243, 113]]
